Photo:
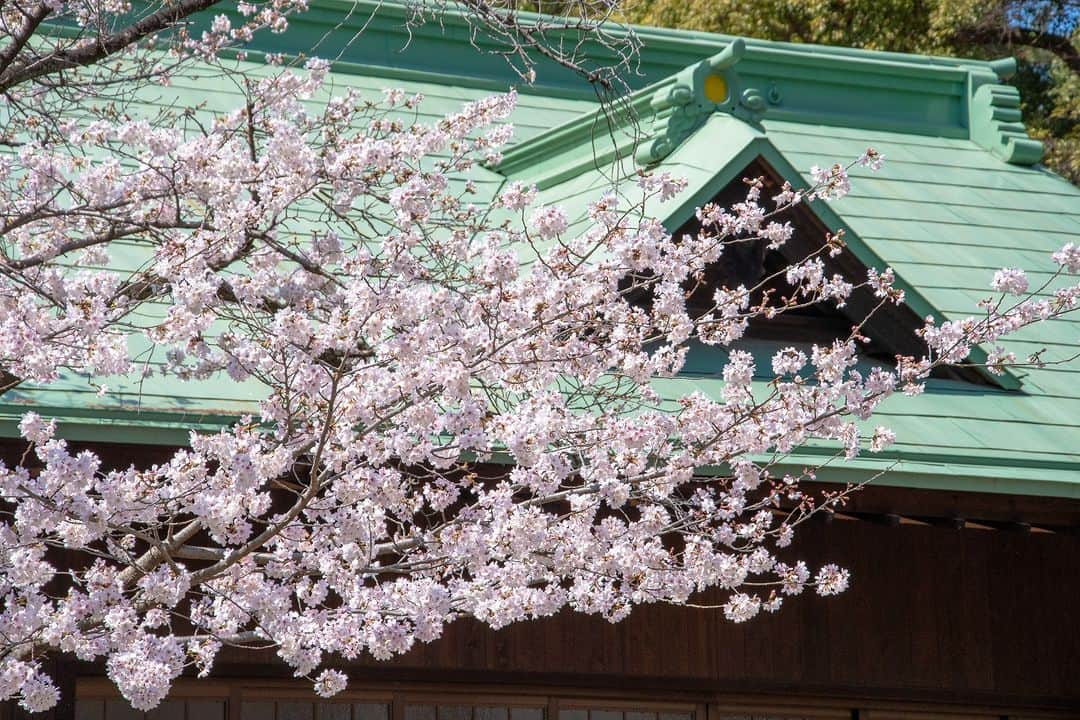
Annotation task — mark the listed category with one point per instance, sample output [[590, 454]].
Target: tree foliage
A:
[[1044, 35]]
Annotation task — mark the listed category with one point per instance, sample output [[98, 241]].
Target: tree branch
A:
[[91, 51], [1059, 45], [34, 18]]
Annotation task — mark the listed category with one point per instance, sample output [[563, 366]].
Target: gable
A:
[[890, 329], [713, 160]]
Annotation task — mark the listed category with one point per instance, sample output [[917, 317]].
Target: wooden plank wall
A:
[[935, 615], [938, 618]]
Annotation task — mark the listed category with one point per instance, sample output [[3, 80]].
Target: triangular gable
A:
[[702, 124], [752, 155], [721, 151]]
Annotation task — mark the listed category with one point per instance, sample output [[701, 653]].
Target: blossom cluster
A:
[[1014, 306]]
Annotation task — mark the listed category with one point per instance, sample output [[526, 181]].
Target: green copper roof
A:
[[960, 195]]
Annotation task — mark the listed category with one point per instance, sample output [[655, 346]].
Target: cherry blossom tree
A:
[[458, 416]]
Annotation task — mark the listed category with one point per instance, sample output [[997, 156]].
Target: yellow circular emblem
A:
[[715, 88]]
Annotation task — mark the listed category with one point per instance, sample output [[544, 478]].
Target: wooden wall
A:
[[958, 599], [969, 616]]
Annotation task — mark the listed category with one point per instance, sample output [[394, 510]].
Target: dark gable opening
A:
[[891, 329]]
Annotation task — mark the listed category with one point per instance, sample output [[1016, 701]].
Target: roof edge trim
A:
[[934, 471], [559, 140]]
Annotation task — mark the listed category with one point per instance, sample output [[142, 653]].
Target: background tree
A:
[[1044, 35]]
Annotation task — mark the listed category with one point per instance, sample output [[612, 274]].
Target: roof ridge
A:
[[672, 37], [977, 107], [812, 84], [972, 105], [332, 26]]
